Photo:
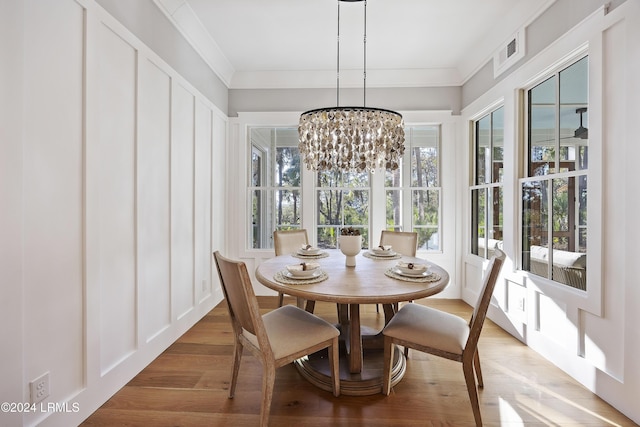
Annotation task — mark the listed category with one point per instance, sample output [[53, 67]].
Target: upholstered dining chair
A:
[[288, 242], [443, 334], [402, 242], [276, 338]]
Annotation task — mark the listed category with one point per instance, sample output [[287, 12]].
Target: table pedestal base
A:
[[315, 368]]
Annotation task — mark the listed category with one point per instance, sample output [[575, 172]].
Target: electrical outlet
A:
[[39, 388]]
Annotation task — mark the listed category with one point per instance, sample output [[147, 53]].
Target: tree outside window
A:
[[413, 192], [275, 183]]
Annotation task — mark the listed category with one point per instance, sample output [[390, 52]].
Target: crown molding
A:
[[187, 23]]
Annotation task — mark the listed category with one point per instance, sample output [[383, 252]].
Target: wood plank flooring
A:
[[187, 386]]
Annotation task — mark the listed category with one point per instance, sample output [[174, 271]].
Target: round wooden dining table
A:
[[373, 280]]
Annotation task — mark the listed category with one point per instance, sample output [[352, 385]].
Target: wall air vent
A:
[[509, 53]]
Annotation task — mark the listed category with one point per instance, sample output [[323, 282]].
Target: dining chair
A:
[[443, 334], [276, 338], [402, 242], [287, 242]]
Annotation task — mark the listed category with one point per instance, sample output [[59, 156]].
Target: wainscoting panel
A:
[[116, 192], [202, 214], [182, 201], [153, 213]]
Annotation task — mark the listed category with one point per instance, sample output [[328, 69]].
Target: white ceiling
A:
[[292, 43]]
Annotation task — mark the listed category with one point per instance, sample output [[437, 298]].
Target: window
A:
[[409, 199], [554, 191], [342, 200], [487, 189], [413, 194], [274, 189]]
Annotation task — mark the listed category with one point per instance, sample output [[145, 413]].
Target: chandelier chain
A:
[[354, 139]]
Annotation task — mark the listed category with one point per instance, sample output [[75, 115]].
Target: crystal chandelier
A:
[[356, 139]]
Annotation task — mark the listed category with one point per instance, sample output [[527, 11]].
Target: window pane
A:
[[496, 195], [329, 207], [582, 214], [542, 128], [534, 227], [424, 157], [426, 204], [356, 208], [483, 149], [287, 209], [393, 178], [257, 215], [342, 179], [287, 170], [341, 208], [574, 117], [478, 222], [428, 238], [328, 237], [394, 210], [498, 145]]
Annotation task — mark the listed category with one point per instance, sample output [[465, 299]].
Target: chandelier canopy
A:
[[355, 139]]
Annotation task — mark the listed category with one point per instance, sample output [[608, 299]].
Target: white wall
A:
[[11, 246], [111, 166], [592, 338]]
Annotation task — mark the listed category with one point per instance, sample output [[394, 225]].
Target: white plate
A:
[[309, 252], [382, 253], [420, 274], [313, 275]]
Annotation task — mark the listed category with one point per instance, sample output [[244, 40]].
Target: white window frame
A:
[[487, 187], [591, 300]]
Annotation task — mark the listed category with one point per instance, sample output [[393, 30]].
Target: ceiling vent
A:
[[509, 53]]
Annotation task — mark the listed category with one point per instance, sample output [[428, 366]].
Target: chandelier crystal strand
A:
[[355, 139]]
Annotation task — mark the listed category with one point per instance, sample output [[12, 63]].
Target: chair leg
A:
[[470, 379], [237, 355], [388, 361], [334, 362], [280, 299], [476, 363], [268, 380]]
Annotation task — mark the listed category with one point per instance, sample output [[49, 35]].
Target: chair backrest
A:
[[239, 294], [289, 241], [482, 305], [403, 242]]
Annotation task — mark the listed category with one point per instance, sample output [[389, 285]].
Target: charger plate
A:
[[281, 277], [391, 272], [316, 256], [374, 256]]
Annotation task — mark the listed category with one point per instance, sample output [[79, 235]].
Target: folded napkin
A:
[[303, 266], [412, 267], [308, 249], [382, 249]]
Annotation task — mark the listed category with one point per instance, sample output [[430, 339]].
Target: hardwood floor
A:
[[187, 386]]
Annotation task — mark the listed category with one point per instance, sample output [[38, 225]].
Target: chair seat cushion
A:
[[291, 329], [429, 327]]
